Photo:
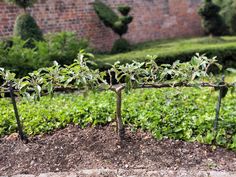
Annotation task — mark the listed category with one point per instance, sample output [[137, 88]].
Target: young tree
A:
[[212, 22]]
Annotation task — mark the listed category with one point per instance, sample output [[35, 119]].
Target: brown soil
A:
[[74, 149]]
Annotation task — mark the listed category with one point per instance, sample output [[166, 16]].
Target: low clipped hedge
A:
[[224, 50]]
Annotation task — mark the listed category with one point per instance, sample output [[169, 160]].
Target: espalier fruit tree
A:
[[146, 75]]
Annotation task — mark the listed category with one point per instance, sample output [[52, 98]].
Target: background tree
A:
[[118, 23], [212, 22]]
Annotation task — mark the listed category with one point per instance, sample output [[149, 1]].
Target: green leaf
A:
[[231, 70]]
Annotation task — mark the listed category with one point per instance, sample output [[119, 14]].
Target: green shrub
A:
[[25, 25], [61, 47], [212, 22], [124, 20], [105, 13], [22, 3], [27, 29], [119, 24], [124, 10], [121, 45], [119, 28], [225, 55], [18, 58]]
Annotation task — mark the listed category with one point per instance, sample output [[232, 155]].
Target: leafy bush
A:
[[27, 29], [18, 58], [212, 22], [62, 47], [121, 45]]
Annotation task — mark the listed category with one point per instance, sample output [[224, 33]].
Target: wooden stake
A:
[[218, 106]]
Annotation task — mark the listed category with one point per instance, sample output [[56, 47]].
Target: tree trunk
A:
[[120, 126], [19, 126]]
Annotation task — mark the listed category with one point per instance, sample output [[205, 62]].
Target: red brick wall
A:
[[153, 19]]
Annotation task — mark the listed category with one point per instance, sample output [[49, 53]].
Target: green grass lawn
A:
[[170, 50], [185, 113]]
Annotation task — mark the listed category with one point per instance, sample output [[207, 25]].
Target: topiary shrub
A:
[[27, 29], [121, 45], [105, 13], [212, 22], [118, 23], [25, 26], [22, 3], [124, 10]]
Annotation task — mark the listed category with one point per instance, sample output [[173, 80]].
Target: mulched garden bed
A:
[[73, 149]]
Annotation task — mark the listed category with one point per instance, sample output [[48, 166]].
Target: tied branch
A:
[[118, 87]]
